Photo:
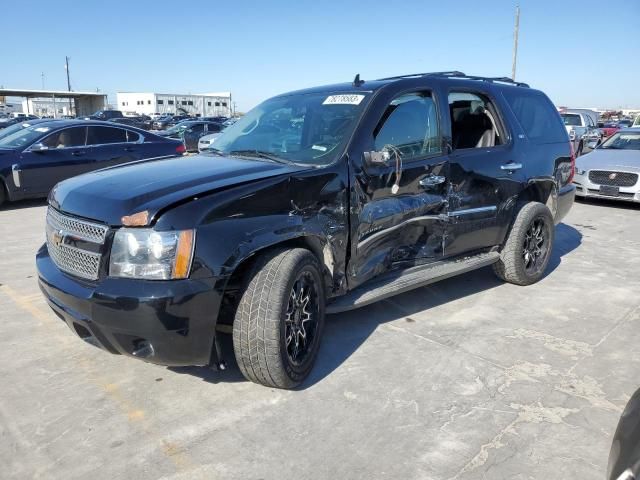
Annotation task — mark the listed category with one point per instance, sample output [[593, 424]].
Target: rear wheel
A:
[[527, 251], [3, 194], [280, 318]]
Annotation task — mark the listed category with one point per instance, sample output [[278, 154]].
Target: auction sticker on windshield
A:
[[343, 99]]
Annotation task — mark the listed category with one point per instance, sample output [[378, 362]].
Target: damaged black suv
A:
[[315, 202]]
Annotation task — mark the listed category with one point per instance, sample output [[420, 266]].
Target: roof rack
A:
[[457, 74]]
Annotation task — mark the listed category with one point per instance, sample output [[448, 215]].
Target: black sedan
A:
[[190, 131], [167, 121], [137, 122], [35, 158]]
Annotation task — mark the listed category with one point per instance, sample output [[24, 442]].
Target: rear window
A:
[[536, 114]]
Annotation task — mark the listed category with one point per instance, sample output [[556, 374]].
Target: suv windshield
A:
[[23, 137], [571, 119], [623, 141], [300, 128]]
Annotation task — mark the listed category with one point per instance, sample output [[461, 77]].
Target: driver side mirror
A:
[[38, 148], [376, 159]]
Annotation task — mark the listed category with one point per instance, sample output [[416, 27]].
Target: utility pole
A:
[[42, 75], [515, 43], [66, 67]]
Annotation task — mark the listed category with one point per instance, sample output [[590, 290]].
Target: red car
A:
[[609, 129]]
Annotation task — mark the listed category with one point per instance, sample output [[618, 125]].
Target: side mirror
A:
[[38, 148], [376, 159]]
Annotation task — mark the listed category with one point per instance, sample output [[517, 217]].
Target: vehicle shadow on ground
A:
[[19, 205], [346, 332]]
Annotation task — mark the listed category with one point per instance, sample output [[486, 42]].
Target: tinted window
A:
[[212, 127], [102, 135], [68, 137], [571, 119], [198, 127], [410, 124], [536, 114], [132, 136]]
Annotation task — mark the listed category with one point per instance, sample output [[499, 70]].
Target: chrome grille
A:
[[620, 179], [63, 229], [91, 232]]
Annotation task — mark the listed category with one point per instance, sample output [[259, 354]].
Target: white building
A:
[[202, 104]]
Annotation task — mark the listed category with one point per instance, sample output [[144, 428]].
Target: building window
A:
[[224, 104], [208, 104], [160, 102], [184, 102], [217, 104], [123, 104], [148, 102], [190, 102], [170, 102]]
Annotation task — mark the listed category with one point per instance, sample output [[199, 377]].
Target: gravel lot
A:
[[469, 378]]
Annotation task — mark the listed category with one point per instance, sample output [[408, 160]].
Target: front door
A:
[[65, 157], [399, 203]]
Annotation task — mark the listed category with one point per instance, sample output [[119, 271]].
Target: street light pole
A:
[[515, 43], [66, 67]]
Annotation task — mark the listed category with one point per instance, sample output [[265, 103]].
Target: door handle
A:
[[431, 181], [77, 153], [511, 166]]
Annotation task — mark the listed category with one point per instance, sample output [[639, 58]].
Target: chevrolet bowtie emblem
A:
[[57, 238]]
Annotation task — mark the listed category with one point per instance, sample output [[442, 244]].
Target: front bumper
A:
[[585, 188], [164, 322]]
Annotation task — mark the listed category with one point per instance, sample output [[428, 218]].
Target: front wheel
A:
[[527, 251], [280, 318]]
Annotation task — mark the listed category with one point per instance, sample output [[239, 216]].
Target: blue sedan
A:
[[35, 158]]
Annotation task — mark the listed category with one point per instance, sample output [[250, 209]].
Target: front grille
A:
[[614, 179], [62, 231]]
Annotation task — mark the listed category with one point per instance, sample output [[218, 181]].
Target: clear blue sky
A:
[[260, 48]]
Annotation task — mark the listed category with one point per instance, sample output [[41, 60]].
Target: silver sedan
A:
[[612, 169]]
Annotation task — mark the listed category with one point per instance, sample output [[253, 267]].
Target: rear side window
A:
[[132, 137], [213, 128], [536, 114], [104, 135]]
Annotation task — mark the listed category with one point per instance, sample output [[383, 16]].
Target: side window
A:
[[68, 137], [198, 128], [132, 137], [213, 128], [410, 124], [104, 135], [474, 121], [537, 116]]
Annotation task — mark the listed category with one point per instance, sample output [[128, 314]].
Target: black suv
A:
[[315, 202]]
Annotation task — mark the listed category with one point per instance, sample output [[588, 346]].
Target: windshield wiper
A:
[[215, 151], [258, 154]]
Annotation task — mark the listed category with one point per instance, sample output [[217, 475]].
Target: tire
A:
[[3, 194], [276, 333], [525, 256]]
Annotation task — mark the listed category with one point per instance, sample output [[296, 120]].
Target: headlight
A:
[[147, 254]]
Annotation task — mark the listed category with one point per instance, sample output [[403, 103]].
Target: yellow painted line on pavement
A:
[[134, 414]]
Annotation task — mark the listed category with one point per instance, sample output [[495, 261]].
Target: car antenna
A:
[[356, 81]]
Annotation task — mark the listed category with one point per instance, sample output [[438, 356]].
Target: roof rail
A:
[[457, 74]]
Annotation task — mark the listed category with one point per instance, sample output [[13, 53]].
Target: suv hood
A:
[[108, 195]]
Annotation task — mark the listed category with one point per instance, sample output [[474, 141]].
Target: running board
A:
[[409, 279]]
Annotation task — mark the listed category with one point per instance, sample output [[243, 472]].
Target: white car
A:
[[581, 125], [612, 170], [206, 141]]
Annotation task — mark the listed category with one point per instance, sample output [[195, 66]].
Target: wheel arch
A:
[[239, 274]]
